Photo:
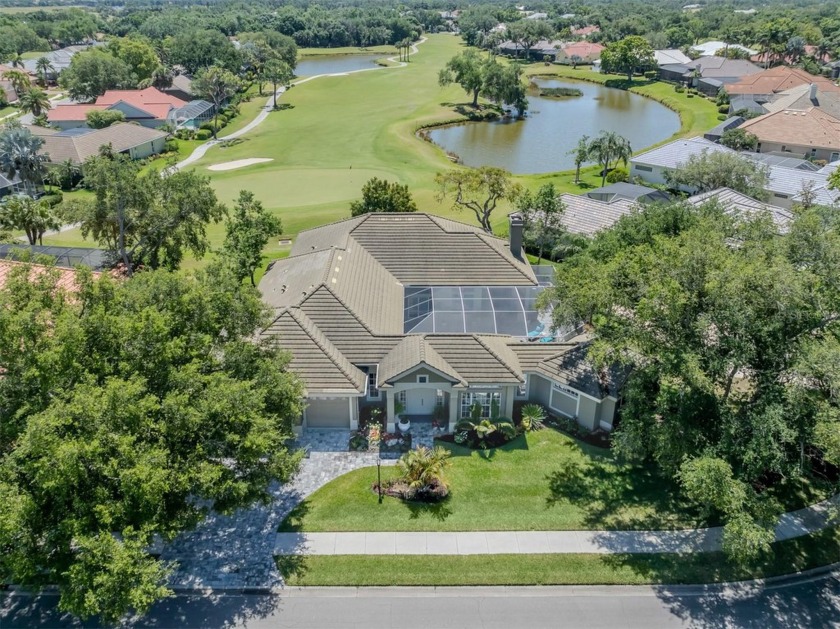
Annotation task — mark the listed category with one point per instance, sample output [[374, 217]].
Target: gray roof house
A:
[[428, 312], [716, 133], [736, 203], [586, 216], [784, 188], [628, 191]]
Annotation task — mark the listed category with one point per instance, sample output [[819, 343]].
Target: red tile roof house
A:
[[586, 51], [148, 107], [586, 31]]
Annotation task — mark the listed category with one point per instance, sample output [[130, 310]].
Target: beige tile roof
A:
[[810, 128], [475, 359], [414, 351], [734, 202], [531, 355], [800, 98], [287, 282], [588, 216], [77, 148], [417, 250], [422, 249], [323, 368], [778, 79]]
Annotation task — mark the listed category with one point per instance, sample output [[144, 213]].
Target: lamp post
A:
[[379, 477]]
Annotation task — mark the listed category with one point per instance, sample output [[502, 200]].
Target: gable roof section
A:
[[315, 359], [811, 128], [419, 250], [677, 152], [791, 181], [71, 113], [800, 98], [588, 216], [413, 352], [713, 67], [476, 359], [734, 202], [778, 79], [671, 55], [139, 98], [77, 147], [575, 370], [148, 111]]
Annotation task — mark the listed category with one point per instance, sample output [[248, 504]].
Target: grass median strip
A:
[[582, 569]]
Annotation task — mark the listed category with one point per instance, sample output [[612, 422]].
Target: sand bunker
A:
[[240, 163]]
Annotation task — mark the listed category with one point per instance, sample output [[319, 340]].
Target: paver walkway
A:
[[794, 524]]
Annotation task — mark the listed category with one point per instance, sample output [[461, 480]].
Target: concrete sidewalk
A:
[[791, 525]]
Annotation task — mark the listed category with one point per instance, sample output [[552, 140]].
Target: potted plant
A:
[[402, 422]]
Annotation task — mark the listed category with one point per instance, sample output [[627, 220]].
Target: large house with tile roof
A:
[[431, 313]]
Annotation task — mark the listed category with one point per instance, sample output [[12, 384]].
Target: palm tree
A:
[[16, 60], [34, 100], [34, 217], [44, 66], [424, 467], [19, 157], [19, 80], [581, 154], [607, 148]]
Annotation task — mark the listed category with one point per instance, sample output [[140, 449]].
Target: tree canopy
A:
[[127, 409], [248, 230], [93, 72], [479, 190], [627, 56], [380, 195], [712, 170], [727, 329]]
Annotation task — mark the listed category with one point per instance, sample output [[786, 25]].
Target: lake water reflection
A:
[[331, 64], [542, 141]]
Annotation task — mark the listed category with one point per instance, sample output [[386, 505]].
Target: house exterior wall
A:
[[651, 174], [411, 377], [540, 390], [588, 413], [606, 415], [148, 149], [819, 153]]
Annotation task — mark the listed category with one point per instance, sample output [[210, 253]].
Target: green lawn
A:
[[340, 131], [347, 50], [574, 569], [541, 481]]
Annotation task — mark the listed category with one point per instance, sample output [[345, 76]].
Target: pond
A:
[[541, 142], [332, 64]]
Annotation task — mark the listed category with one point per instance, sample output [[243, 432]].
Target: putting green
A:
[[298, 187]]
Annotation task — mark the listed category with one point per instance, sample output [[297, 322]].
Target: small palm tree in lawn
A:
[[34, 101], [19, 157], [424, 467], [19, 80], [581, 154], [533, 416], [16, 60], [43, 66], [607, 148]]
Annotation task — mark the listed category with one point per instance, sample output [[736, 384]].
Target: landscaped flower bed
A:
[[421, 476]]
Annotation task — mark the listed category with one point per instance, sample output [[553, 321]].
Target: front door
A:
[[420, 401]]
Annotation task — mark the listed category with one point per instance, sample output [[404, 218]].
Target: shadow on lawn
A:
[[293, 523], [439, 511], [614, 496]]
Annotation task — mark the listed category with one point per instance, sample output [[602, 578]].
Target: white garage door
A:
[[328, 413]]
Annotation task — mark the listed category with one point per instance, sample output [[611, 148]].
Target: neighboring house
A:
[[830, 168], [784, 161], [545, 48], [585, 216], [767, 86], [716, 133], [65, 257], [148, 107], [784, 188], [67, 280], [6, 86], [10, 186], [537, 16], [429, 312], [193, 114], [671, 57], [708, 74], [710, 48], [78, 144], [811, 133], [59, 60], [804, 97], [652, 165], [586, 31], [588, 52], [629, 192], [736, 203], [181, 88]]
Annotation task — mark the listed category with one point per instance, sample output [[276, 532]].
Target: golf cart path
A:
[[201, 151]]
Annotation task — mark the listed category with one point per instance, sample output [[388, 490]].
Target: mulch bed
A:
[[432, 493]]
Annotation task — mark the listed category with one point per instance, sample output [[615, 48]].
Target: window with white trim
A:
[[422, 379], [646, 169], [565, 390], [373, 392], [485, 399]]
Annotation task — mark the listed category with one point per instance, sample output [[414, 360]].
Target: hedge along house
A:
[[428, 312]]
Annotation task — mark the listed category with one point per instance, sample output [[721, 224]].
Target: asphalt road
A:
[[802, 603]]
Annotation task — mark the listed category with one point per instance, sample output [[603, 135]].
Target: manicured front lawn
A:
[[540, 481], [573, 569]]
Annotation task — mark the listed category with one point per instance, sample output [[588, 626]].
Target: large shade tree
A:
[[249, 228], [479, 190], [218, 85], [627, 56], [711, 170], [128, 410], [731, 336], [150, 219], [93, 72]]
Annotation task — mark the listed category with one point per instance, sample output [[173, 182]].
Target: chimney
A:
[[516, 227], [812, 93]]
